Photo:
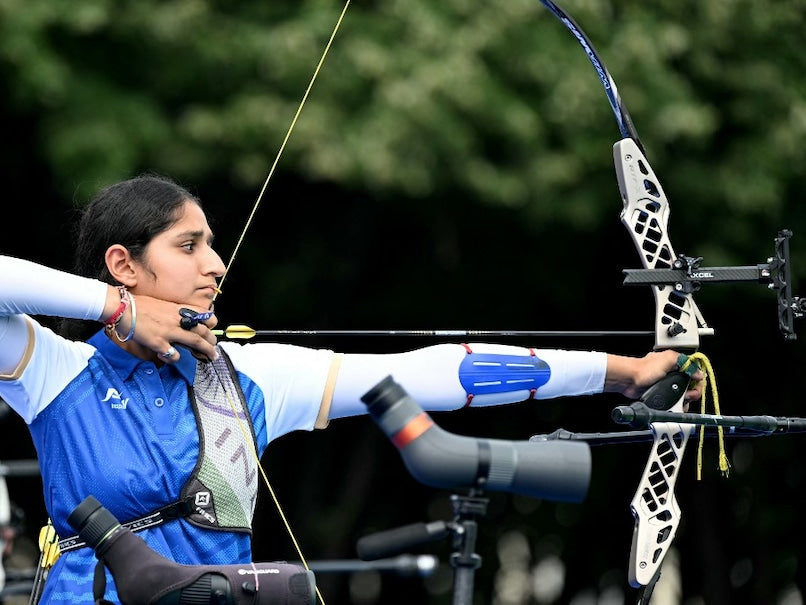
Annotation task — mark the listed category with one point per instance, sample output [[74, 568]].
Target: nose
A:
[[215, 265]]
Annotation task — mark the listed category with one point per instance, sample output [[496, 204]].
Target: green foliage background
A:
[[451, 168]]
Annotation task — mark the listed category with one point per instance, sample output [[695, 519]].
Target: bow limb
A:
[[654, 505]]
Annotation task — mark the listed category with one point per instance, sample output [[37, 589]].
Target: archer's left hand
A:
[[631, 376]]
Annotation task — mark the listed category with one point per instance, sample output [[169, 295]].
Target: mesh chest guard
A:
[[222, 489]]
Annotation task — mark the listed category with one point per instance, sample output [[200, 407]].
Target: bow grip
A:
[[664, 394]]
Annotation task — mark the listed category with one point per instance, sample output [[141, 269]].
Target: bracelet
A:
[[114, 319], [134, 321]]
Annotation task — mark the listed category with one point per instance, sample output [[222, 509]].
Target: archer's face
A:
[[180, 264]]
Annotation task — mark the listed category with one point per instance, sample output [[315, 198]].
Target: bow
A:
[[678, 324]]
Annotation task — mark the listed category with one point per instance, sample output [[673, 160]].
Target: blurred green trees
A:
[[418, 99], [451, 168]]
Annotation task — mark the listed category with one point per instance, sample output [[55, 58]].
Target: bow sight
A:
[[674, 277], [686, 275]]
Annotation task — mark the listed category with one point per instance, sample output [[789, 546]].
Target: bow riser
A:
[[678, 325], [678, 321]]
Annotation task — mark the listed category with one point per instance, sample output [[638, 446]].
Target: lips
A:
[[210, 290]]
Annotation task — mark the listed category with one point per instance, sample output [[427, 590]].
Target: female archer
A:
[[144, 411]]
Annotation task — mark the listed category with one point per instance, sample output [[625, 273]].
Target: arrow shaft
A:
[[440, 333]]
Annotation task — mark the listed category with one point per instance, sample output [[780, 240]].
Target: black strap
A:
[[175, 510], [99, 584]]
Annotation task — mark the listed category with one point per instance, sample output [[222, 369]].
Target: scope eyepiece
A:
[[94, 524]]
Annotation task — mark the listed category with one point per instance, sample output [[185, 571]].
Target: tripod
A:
[[463, 531]]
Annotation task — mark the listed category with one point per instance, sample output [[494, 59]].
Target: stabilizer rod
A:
[[638, 415]]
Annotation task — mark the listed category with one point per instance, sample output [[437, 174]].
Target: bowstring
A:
[[246, 436], [282, 146]]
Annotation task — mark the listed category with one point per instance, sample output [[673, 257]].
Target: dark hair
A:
[[129, 213]]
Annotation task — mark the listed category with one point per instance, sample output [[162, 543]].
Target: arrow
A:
[[244, 332]]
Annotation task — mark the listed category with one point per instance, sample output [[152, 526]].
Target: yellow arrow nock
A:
[[238, 331]]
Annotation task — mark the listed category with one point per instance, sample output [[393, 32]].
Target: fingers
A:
[[199, 339], [200, 324], [201, 345], [169, 353], [191, 319], [164, 327], [694, 391], [693, 394]]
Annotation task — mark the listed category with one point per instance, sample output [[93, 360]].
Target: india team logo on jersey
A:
[[112, 393]]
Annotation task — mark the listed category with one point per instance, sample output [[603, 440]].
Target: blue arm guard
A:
[[487, 373]]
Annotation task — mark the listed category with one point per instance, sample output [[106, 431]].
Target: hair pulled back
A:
[[129, 213]]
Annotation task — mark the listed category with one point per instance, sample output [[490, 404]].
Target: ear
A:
[[121, 266]]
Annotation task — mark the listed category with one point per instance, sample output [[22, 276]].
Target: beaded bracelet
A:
[[115, 318]]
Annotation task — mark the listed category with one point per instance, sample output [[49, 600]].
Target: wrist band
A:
[[114, 319], [134, 322]]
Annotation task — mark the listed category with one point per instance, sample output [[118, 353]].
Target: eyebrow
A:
[[195, 234]]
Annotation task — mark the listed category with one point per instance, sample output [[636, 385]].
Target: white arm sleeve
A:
[[27, 288], [431, 376]]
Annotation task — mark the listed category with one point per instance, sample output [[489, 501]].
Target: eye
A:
[[189, 246]]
